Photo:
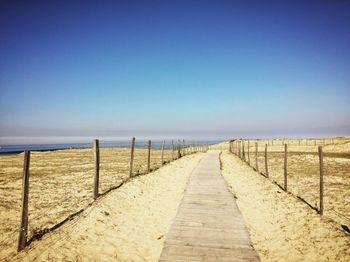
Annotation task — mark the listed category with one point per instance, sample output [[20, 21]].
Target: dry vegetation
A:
[[128, 224], [281, 227], [61, 183], [303, 171]]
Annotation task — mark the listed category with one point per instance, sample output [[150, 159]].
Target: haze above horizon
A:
[[191, 69]]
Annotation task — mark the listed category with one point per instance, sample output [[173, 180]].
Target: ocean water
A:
[[13, 149]]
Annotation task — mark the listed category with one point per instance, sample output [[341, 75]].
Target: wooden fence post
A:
[[23, 230], [178, 148], [163, 152], [320, 156], [285, 167], [183, 147], [172, 148], [243, 150], [97, 167], [149, 157], [248, 152], [266, 166], [132, 156], [239, 148], [256, 157]]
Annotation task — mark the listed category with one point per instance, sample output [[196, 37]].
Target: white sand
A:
[[128, 224], [282, 228]]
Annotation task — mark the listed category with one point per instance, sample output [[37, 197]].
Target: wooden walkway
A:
[[208, 225]]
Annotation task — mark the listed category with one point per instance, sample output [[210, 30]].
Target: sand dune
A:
[[61, 183], [128, 224], [282, 228]]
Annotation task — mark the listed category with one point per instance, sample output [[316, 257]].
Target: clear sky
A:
[[206, 69]]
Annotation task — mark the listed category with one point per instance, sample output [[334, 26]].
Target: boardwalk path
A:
[[208, 225]]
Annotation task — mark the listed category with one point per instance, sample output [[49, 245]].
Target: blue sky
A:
[[203, 69]]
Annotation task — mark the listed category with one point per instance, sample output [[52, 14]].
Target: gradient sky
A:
[[207, 69]]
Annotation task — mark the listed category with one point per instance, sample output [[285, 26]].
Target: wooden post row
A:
[[285, 168], [149, 157], [132, 156], [97, 167], [23, 230], [320, 156]]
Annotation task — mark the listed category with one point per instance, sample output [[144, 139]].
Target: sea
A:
[[16, 149]]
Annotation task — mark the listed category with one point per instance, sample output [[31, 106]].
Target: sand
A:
[[128, 224], [303, 171], [282, 228], [61, 183]]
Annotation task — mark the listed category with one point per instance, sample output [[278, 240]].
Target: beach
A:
[[131, 218], [282, 227], [61, 184], [128, 224]]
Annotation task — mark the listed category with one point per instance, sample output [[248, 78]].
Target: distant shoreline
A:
[[6, 150]]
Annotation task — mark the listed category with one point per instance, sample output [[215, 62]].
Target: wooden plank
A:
[[23, 230], [96, 147], [208, 225]]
